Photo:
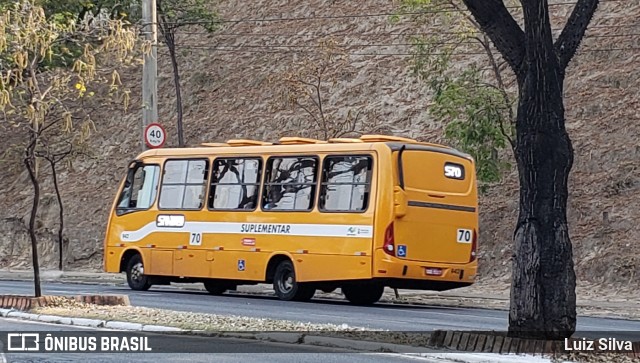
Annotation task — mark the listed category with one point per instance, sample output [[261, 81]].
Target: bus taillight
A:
[[389, 243], [474, 246]]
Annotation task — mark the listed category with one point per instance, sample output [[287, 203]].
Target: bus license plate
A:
[[433, 271]]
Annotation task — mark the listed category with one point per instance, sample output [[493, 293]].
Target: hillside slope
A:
[[230, 83]]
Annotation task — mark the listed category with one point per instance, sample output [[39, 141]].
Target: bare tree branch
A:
[[567, 43], [320, 109], [505, 33], [500, 87]]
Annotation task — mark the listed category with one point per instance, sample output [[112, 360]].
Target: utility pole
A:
[[149, 68]]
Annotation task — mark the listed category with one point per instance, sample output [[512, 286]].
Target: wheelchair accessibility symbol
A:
[[241, 265], [402, 251]]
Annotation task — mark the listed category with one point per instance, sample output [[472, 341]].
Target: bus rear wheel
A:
[[363, 294], [136, 279], [286, 286]]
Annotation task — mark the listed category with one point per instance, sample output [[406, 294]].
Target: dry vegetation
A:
[[230, 92]]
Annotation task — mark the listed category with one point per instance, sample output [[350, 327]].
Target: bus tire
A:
[[136, 279], [215, 287], [363, 294], [286, 286]]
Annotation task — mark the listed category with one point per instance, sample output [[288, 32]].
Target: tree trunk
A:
[[543, 300], [61, 216], [176, 80], [29, 162]]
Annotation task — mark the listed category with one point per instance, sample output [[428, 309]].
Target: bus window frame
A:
[[260, 183], [133, 167], [206, 182], [369, 184], [315, 192]]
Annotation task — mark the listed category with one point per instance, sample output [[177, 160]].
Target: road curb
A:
[[93, 323], [364, 345]]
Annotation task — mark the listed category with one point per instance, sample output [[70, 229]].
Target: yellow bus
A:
[[305, 215]]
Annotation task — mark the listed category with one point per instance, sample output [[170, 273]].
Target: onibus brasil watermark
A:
[[40, 342]]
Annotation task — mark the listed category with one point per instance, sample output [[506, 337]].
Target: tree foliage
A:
[[48, 105], [476, 106], [475, 117], [172, 15]]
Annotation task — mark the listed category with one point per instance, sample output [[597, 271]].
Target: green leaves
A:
[[474, 113], [477, 120], [49, 65], [174, 14], [476, 110]]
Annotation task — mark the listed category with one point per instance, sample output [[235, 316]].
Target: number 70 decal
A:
[[464, 236], [195, 238]]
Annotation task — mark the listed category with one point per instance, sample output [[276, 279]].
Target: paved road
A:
[[380, 316], [244, 351]]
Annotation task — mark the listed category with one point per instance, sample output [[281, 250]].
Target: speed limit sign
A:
[[154, 135]]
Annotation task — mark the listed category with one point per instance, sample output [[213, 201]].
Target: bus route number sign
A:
[[154, 135]]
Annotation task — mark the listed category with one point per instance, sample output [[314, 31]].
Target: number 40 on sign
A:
[[154, 135]]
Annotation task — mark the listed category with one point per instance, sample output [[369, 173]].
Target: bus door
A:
[[180, 221], [135, 217]]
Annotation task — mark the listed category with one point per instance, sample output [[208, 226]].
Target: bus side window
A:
[[345, 183], [290, 183], [235, 183], [140, 188], [183, 184]]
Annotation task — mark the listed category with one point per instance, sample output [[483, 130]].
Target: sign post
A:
[[154, 136]]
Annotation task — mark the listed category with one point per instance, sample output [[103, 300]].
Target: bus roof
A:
[[299, 144]]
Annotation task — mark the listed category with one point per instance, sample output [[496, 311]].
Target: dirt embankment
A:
[[230, 92]]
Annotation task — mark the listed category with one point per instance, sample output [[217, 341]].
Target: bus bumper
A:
[[405, 274]]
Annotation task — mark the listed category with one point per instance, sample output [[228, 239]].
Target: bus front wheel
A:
[[286, 286], [136, 278], [364, 294]]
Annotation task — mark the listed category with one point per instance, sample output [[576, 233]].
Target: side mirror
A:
[[399, 202]]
